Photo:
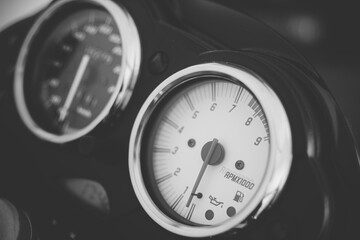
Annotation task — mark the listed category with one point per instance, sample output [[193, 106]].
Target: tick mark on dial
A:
[[213, 91], [189, 102], [164, 178], [161, 150], [177, 201], [191, 211], [171, 122], [238, 95]]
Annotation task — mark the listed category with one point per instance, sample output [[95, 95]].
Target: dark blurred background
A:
[[326, 32]]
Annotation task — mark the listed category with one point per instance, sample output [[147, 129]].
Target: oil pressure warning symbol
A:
[[214, 202]]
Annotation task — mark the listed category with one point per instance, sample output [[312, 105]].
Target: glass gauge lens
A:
[[71, 69], [180, 143], [203, 150], [76, 71]]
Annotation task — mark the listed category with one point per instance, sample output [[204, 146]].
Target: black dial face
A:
[[75, 73], [78, 64]]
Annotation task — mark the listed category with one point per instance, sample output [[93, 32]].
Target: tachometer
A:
[[210, 147], [80, 60]]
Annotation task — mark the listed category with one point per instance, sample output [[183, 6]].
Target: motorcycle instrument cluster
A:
[[134, 111]]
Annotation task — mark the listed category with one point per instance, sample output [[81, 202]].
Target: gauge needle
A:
[[74, 86], [202, 170]]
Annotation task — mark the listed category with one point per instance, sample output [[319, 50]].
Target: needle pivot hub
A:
[[218, 154]]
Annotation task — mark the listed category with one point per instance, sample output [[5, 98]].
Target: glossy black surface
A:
[[320, 200]]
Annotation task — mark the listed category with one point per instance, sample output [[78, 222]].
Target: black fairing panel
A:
[[320, 199]]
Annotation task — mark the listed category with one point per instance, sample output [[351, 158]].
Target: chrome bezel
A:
[[130, 61], [280, 156]]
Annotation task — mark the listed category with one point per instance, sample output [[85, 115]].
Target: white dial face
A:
[[209, 151]]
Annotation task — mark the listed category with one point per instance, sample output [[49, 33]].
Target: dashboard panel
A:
[[172, 119]]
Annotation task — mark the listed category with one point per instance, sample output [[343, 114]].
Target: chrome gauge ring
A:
[[209, 146], [79, 62]]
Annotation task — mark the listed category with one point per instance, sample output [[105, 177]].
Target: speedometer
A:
[[79, 61], [210, 147]]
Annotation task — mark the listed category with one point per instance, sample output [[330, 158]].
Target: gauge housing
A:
[[280, 156], [127, 75]]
